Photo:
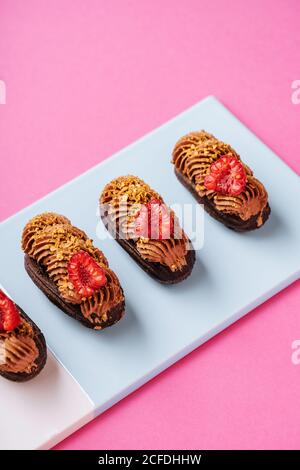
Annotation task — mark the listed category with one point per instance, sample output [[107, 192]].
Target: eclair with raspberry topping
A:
[[137, 217], [23, 351], [216, 176], [63, 262]]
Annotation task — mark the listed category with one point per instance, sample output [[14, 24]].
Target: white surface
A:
[[233, 272], [40, 413]]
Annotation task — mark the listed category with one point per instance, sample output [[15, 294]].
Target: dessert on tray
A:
[[215, 174], [23, 351], [63, 262], [147, 229]]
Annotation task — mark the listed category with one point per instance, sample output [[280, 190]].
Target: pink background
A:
[[84, 79]]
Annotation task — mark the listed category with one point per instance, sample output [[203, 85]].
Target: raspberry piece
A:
[[85, 274], [9, 314], [226, 176], [154, 220]]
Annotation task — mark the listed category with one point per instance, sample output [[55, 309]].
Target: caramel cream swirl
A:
[[121, 200], [171, 252], [103, 297], [51, 240], [193, 155], [18, 350]]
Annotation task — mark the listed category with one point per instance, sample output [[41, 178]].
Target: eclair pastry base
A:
[[155, 270], [168, 260], [40, 360], [231, 221], [49, 240], [193, 156]]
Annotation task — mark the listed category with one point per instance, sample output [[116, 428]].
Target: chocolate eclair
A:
[[63, 262], [216, 176], [147, 229], [23, 351]]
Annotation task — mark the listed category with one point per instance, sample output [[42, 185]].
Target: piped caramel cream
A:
[[171, 253], [51, 240], [18, 350], [193, 155], [122, 199]]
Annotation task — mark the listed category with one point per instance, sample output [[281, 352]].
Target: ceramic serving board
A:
[[89, 371]]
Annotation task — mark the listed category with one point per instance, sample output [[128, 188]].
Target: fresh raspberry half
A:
[[85, 274], [154, 220], [9, 314], [226, 176]]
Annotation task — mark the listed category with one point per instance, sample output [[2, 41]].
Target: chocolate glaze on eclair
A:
[[216, 176], [23, 351], [63, 262], [147, 229]]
